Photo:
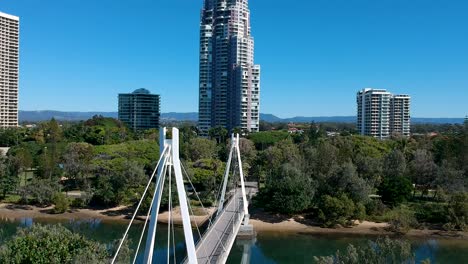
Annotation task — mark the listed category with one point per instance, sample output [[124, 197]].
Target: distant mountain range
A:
[[35, 116]]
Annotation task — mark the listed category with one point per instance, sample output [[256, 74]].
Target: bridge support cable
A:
[[235, 150], [171, 163], [163, 151], [226, 177], [203, 207], [241, 175], [155, 206], [215, 244], [142, 234], [170, 217]]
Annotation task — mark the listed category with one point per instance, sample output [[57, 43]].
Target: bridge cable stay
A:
[[175, 164], [168, 166], [170, 216], [228, 217], [142, 234], [201, 203], [163, 151], [234, 150]]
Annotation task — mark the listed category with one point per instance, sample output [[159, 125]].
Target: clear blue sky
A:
[[77, 55]]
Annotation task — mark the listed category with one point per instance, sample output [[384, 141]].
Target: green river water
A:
[[267, 248]]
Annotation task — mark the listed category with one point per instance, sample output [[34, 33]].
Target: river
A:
[[267, 248]]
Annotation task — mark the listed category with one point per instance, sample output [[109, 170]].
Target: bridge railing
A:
[[230, 229]]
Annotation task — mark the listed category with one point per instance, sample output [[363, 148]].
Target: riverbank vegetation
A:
[[380, 251], [43, 244], [334, 180], [323, 172]]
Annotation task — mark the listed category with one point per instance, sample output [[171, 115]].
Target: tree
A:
[[289, 191], [394, 164], [402, 219], [315, 133], [120, 186], [395, 190], [423, 170], [369, 168], [283, 152], [51, 244], [248, 154], [40, 191], [219, 133], [52, 131], [339, 210], [77, 160], [321, 160], [48, 163], [10, 137], [206, 176], [457, 212], [449, 178], [201, 148], [7, 179], [61, 202], [382, 251], [266, 139], [345, 179]]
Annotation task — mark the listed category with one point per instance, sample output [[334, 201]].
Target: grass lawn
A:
[[25, 177], [11, 198]]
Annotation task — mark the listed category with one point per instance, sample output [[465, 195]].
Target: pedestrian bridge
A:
[[231, 216]]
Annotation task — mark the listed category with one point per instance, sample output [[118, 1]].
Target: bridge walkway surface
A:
[[216, 243]]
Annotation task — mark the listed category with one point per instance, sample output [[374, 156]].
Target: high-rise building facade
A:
[[229, 94], [9, 54], [381, 114], [373, 115], [400, 119], [140, 110]]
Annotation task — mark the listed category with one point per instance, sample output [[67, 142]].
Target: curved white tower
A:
[[229, 79]]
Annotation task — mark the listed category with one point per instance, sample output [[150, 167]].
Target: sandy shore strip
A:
[[262, 222], [120, 213]]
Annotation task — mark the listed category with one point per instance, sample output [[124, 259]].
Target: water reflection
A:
[[26, 222], [292, 248], [268, 248]]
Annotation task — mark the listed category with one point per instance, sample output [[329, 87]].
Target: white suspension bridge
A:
[[231, 216]]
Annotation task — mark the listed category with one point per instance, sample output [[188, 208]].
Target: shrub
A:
[[431, 212], [402, 219], [375, 208], [40, 191], [339, 210], [78, 203], [62, 203], [395, 190], [382, 251], [457, 212], [51, 244]]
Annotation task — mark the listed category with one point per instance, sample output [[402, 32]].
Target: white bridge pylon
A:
[[234, 150], [169, 166]]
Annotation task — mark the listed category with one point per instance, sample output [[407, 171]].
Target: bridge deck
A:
[[216, 243]]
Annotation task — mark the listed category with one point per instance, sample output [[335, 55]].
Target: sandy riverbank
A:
[[262, 222], [121, 213]]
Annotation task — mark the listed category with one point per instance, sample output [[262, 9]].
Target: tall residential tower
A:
[[229, 79], [400, 119], [140, 110], [9, 53], [381, 114]]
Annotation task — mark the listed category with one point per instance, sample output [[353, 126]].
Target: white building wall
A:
[[9, 63]]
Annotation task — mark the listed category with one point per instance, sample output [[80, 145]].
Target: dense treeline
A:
[[332, 179], [101, 159], [335, 180]]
